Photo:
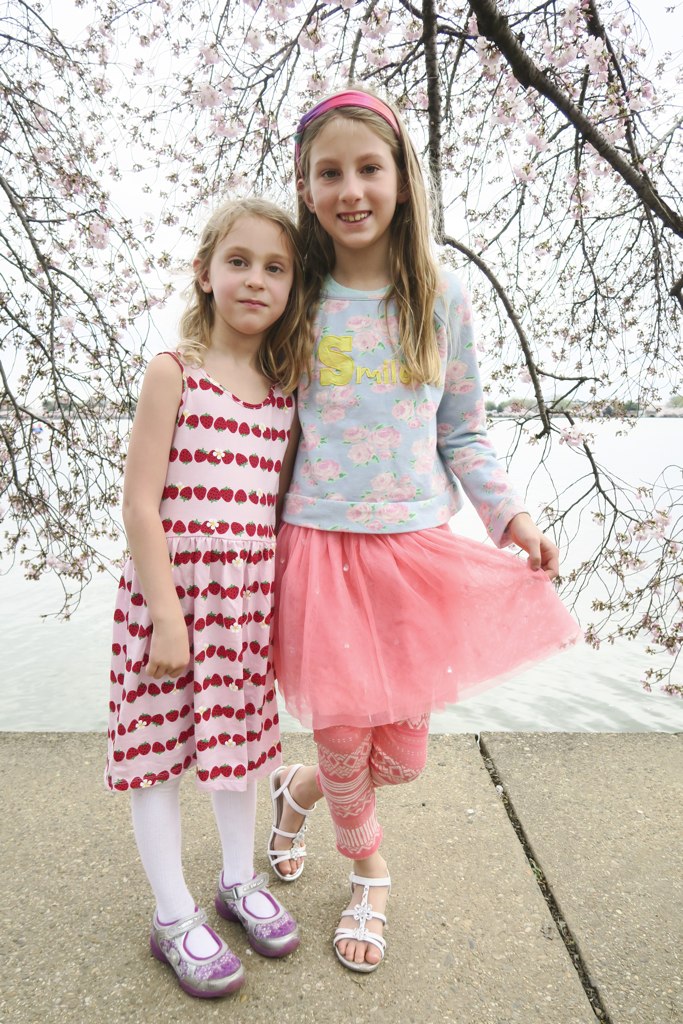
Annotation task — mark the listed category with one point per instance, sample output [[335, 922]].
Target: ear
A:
[[403, 195], [305, 193], [203, 277]]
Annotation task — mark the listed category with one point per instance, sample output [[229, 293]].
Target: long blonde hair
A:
[[413, 270], [283, 356]]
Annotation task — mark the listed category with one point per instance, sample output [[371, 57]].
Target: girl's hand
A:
[[169, 651], [543, 554]]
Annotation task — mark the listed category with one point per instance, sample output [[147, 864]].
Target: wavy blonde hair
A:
[[283, 356], [413, 270]]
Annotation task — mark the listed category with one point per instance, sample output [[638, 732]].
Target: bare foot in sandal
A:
[[365, 916], [294, 793]]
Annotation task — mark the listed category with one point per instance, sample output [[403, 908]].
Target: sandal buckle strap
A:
[[240, 891], [178, 928]]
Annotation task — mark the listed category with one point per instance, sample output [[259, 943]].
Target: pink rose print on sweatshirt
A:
[[368, 341], [297, 504], [391, 487], [468, 459], [442, 341], [334, 402], [360, 323], [371, 445], [497, 482], [424, 452], [457, 382], [321, 471], [413, 412], [386, 441], [465, 310], [311, 440], [377, 517], [475, 418], [334, 306]]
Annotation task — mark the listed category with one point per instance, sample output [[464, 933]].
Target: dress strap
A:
[[174, 356]]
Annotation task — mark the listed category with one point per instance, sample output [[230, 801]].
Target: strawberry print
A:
[[220, 558]]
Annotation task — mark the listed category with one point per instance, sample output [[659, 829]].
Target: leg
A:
[[397, 754], [235, 814], [399, 751], [305, 791], [241, 896], [156, 824], [344, 774]]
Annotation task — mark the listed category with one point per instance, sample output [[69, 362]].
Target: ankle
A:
[[304, 787], [373, 866]]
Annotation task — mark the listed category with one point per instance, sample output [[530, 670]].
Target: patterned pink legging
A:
[[352, 763]]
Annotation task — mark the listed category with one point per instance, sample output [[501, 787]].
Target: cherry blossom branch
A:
[[511, 313], [494, 26]]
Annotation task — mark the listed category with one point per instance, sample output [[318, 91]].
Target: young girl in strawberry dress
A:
[[192, 681]]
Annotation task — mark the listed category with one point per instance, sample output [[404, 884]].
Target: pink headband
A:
[[344, 99]]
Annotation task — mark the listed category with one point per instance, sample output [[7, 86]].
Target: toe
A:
[[372, 954]]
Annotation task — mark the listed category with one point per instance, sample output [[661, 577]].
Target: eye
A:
[[371, 169], [237, 261], [329, 173], [275, 268]]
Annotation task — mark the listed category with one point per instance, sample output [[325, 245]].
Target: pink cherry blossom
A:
[[207, 96], [209, 54], [221, 127], [98, 235]]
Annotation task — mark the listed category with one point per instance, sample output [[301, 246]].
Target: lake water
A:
[[55, 674]]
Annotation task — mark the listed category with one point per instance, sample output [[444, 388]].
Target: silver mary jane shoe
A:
[[274, 935], [204, 977]]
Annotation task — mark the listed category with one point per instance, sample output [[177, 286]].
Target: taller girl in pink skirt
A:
[[382, 613]]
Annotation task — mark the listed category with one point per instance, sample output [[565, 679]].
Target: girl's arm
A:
[[145, 476], [542, 552], [465, 447], [287, 467]]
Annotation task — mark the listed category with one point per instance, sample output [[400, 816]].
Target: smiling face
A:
[[250, 275], [353, 189]]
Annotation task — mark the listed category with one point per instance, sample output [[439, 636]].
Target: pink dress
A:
[[218, 510]]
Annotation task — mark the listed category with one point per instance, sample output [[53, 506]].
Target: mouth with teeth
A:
[[354, 218]]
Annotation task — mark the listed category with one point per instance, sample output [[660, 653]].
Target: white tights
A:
[[156, 824]]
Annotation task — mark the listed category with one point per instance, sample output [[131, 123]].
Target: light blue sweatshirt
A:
[[378, 455]]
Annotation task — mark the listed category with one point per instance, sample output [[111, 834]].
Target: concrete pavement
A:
[[555, 897]]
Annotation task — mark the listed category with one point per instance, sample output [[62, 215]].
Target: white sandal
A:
[[297, 851], [362, 913]]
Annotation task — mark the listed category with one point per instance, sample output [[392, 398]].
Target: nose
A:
[[255, 276], [351, 190]]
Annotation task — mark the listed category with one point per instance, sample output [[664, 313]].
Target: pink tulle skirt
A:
[[376, 628]]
